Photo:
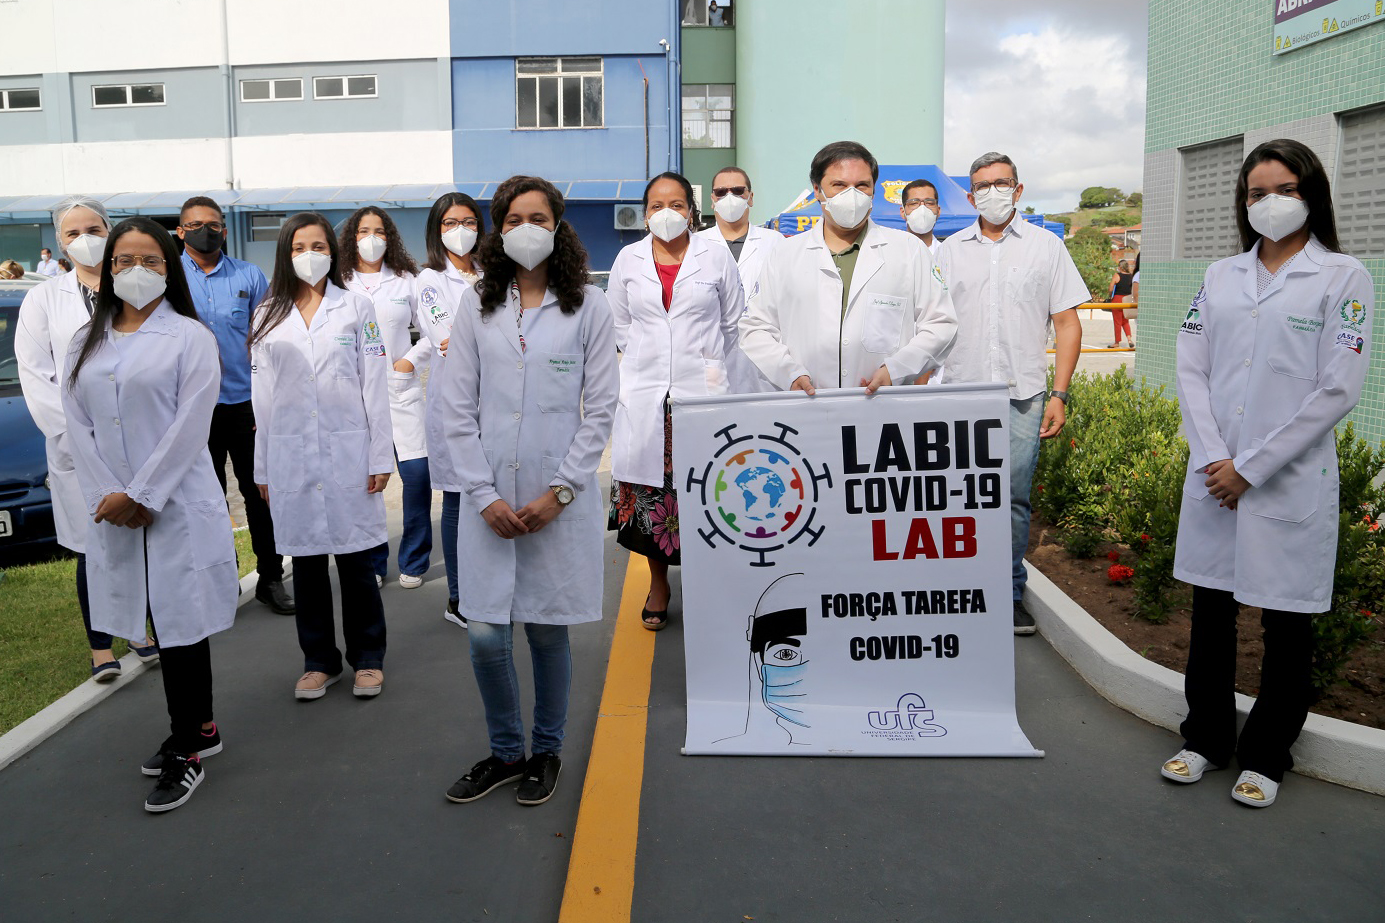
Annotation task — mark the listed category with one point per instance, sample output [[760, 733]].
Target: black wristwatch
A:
[[1061, 395]]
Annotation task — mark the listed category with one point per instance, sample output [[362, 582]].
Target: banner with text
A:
[[1298, 23], [846, 573]]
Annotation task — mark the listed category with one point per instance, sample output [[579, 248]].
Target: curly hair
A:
[[396, 257], [567, 266]]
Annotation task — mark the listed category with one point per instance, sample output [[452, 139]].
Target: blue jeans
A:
[[492, 660], [451, 512], [1026, 418], [416, 541]]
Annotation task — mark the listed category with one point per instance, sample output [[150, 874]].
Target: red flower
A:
[[1119, 573], [1114, 556], [1144, 536]]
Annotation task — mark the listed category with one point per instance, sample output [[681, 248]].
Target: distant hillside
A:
[[1085, 216]]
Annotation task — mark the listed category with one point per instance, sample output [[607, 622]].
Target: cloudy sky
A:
[[1059, 86]]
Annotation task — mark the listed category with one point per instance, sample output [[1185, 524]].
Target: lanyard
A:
[[519, 313]]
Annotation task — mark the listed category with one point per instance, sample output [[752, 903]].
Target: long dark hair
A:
[[396, 257], [1313, 186], [432, 234], [108, 303], [695, 216], [567, 266], [283, 285]]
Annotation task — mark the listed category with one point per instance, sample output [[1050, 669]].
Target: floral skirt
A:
[[644, 518]]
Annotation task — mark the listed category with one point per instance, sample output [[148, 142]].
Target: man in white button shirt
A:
[[47, 265], [1008, 280]]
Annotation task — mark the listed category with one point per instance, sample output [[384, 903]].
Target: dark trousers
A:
[[187, 673], [1280, 709], [362, 613], [233, 434], [96, 640]]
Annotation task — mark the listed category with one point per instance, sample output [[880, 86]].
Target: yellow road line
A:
[[601, 873]]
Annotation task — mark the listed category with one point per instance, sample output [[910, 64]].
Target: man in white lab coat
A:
[[1010, 279], [750, 246], [849, 303]]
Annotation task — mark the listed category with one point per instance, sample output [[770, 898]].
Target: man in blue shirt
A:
[[226, 292]]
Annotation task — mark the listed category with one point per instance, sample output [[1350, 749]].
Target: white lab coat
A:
[[518, 422], [393, 297], [759, 243], [138, 424], [1262, 380], [899, 313], [437, 296], [50, 316], [322, 426], [686, 351]]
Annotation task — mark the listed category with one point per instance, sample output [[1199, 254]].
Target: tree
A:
[[1029, 209], [1135, 199], [1091, 251], [1119, 219], [1099, 197]]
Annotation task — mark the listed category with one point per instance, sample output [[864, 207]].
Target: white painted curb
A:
[[1329, 749], [28, 734]]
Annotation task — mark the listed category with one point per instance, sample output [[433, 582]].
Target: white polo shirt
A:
[[1005, 292]]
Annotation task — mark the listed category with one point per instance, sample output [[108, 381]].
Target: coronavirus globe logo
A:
[[759, 493]]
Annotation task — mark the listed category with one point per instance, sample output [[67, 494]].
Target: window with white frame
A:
[[271, 90], [264, 226], [708, 115], [1208, 199], [559, 93], [1361, 164], [359, 86], [127, 94], [20, 99]]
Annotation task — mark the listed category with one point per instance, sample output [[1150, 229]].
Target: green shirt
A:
[[846, 265]]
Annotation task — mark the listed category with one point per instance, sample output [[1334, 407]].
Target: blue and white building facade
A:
[[273, 108]]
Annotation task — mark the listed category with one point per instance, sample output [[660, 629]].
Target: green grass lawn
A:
[[43, 649]]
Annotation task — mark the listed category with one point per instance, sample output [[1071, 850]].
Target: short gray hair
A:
[[990, 158], [79, 201]]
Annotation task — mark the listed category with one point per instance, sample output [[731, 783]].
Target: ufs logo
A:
[[759, 493], [909, 714]]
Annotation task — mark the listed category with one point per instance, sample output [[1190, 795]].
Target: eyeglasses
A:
[[931, 203], [216, 227], [737, 191], [148, 262], [1006, 183], [449, 224]]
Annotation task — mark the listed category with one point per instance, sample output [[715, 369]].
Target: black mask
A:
[[203, 240]]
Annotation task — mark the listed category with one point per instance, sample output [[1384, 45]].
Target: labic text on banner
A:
[[846, 573]]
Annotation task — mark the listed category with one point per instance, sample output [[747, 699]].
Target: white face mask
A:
[[528, 245], [995, 204], [667, 224], [459, 240], [87, 250], [311, 266], [371, 248], [731, 208], [849, 208], [921, 220], [138, 286], [1275, 217]]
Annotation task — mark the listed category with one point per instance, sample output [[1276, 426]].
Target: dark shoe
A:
[[452, 614], [178, 779], [273, 595], [491, 773], [209, 745], [540, 779], [145, 654], [654, 621], [107, 672], [1024, 622]]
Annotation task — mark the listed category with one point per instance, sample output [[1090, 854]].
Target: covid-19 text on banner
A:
[[846, 573]]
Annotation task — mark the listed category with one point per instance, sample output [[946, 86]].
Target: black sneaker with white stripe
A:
[[180, 777], [209, 744]]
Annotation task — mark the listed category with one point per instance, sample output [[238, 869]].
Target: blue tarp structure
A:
[[957, 213]]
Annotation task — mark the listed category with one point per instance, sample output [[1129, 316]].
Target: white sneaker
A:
[[410, 582], [1255, 790], [379, 581], [1186, 767]]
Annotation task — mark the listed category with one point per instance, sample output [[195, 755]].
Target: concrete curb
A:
[[33, 731], [1329, 749]]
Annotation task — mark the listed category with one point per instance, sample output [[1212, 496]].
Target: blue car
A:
[[26, 505]]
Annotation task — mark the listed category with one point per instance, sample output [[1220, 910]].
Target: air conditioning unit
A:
[[628, 218]]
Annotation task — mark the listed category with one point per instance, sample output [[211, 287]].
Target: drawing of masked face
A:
[[783, 675]]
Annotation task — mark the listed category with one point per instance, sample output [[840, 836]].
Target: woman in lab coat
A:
[[453, 233], [677, 299], [323, 449], [141, 384], [376, 265], [1271, 356], [527, 393], [49, 318]]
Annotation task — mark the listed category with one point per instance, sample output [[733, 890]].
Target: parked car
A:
[[26, 505]]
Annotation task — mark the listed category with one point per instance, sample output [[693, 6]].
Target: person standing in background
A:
[[376, 265], [918, 206], [46, 264], [226, 292], [1121, 289]]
